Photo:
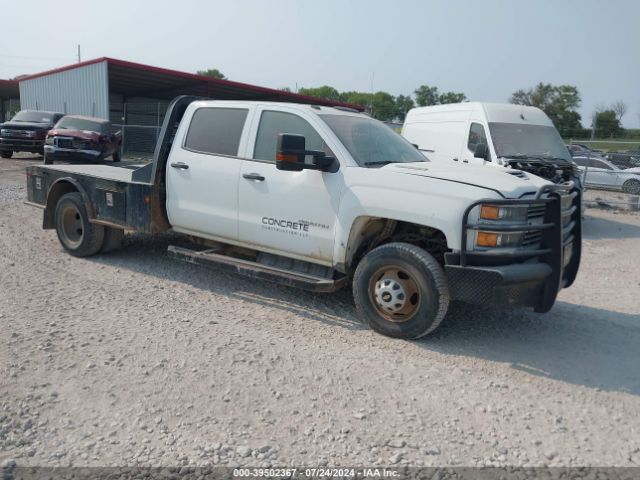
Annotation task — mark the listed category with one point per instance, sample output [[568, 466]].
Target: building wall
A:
[[79, 91]]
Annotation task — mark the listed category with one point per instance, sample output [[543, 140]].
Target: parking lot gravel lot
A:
[[132, 358]]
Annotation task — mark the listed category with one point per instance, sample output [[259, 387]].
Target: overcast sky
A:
[[484, 48]]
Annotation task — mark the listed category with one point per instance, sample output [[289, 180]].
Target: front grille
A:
[[532, 238], [80, 143], [536, 211], [64, 142]]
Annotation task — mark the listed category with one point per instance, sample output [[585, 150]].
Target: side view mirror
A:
[[481, 151], [291, 152]]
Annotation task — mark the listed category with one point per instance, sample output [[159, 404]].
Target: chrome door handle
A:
[[253, 176], [180, 165]]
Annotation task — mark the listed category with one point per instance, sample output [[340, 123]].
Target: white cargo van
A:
[[496, 134]]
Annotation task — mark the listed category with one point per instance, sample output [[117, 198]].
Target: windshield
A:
[[517, 140], [370, 142], [35, 117], [70, 123]]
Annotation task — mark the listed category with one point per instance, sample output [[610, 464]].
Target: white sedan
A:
[[598, 172]]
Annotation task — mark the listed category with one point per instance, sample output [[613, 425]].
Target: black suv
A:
[[26, 132]]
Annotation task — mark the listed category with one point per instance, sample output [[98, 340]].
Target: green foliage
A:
[[559, 102], [607, 124], [212, 72], [451, 97], [326, 92], [426, 96], [403, 105], [383, 106]]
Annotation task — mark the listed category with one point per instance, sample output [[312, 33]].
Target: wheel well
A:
[[55, 193], [369, 233]]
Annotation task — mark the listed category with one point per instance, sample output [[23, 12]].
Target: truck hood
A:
[[510, 183], [82, 134]]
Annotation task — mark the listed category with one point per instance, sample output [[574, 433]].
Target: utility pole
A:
[[79, 59]]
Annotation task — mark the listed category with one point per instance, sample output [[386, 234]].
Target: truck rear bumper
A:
[[512, 285]]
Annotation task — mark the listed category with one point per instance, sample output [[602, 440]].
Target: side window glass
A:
[[476, 136], [599, 164], [581, 162], [274, 123], [216, 130]]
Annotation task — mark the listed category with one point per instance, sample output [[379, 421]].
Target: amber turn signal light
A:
[[487, 239], [281, 157], [489, 212]]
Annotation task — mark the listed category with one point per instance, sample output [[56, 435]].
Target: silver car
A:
[[601, 173]]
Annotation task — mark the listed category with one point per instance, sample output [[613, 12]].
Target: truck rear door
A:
[[203, 172]]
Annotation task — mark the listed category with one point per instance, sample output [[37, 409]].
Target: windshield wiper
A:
[[381, 162]]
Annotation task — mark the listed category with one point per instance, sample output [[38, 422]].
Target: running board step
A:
[[257, 270]]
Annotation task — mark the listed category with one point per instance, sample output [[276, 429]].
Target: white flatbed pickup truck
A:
[[317, 197]]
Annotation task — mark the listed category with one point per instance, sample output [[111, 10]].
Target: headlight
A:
[[496, 239], [4, 132], [514, 213], [49, 141], [504, 226]]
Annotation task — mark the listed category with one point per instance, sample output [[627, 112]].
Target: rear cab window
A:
[[216, 131]]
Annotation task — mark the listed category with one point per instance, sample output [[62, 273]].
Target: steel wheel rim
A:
[[394, 293], [72, 230]]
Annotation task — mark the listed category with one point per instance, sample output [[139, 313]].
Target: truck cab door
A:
[[476, 136], [285, 211], [203, 173]]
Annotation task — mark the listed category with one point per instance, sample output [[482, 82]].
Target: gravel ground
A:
[[132, 358]]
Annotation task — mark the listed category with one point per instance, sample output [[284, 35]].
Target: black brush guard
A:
[[522, 277]]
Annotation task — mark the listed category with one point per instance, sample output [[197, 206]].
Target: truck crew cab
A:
[[317, 197]]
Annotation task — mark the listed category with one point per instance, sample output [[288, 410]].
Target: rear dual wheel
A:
[[77, 234], [400, 290]]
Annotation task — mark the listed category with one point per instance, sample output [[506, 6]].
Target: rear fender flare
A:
[[59, 188]]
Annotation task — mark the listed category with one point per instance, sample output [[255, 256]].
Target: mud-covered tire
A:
[[422, 284], [632, 187], [6, 154], [112, 239], [77, 235]]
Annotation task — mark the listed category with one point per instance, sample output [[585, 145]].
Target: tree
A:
[[383, 106], [326, 92], [285, 89], [403, 105], [451, 97], [559, 102], [213, 73], [620, 108], [606, 124], [426, 95]]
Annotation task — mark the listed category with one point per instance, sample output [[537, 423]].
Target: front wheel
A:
[[77, 235], [6, 154], [632, 187], [401, 291]]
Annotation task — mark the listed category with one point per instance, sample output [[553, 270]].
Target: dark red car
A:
[[76, 137]]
